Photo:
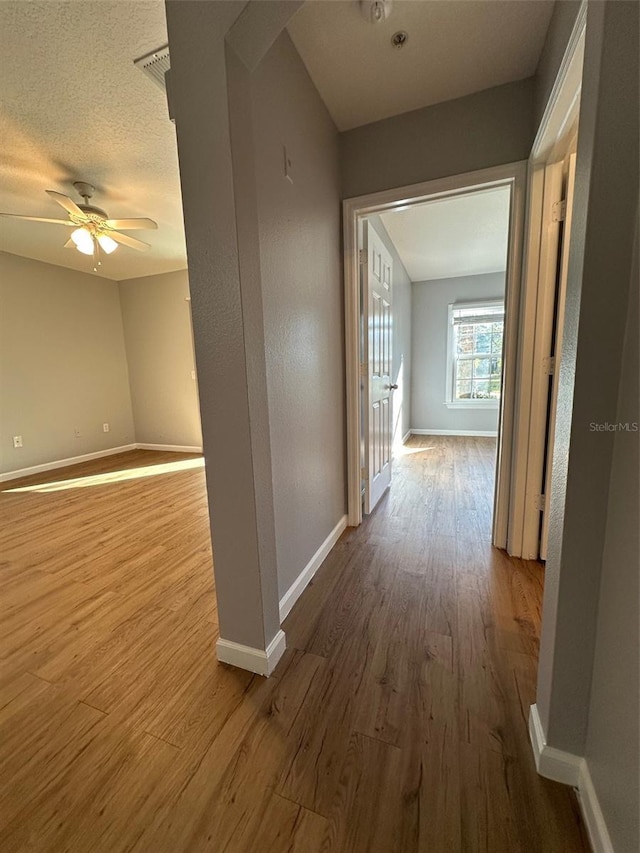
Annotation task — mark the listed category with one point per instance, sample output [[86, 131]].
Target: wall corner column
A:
[[211, 98]]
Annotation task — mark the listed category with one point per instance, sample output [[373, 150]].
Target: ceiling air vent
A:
[[155, 65]]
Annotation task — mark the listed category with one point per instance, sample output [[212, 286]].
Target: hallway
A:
[[395, 723]]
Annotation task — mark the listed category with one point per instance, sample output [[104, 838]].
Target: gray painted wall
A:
[[612, 751], [430, 301], [301, 271], [489, 128], [62, 364], [401, 337], [558, 33], [218, 191], [157, 330], [582, 513]]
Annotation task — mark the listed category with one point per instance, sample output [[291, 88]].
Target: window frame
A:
[[450, 379]]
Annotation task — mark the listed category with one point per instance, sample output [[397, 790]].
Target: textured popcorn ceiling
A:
[[455, 47], [74, 107]]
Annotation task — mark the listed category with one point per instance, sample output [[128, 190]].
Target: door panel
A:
[[557, 351], [377, 317], [545, 310]]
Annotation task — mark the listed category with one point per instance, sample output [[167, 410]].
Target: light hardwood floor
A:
[[395, 723]]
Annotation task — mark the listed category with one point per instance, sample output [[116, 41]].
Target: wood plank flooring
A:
[[395, 723]]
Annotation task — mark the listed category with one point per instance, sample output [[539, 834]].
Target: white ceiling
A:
[[74, 107], [455, 48], [465, 235]]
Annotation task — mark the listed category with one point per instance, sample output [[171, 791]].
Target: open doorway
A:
[[456, 389], [433, 345]]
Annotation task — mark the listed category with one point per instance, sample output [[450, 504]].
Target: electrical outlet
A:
[[76, 432], [105, 427], [17, 441]]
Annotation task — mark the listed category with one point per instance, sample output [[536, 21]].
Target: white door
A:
[[377, 387], [542, 349], [557, 349]]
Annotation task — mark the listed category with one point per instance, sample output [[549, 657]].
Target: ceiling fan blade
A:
[[131, 242], [131, 224], [65, 201], [40, 219]]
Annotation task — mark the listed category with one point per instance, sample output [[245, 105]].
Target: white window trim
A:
[[449, 400]]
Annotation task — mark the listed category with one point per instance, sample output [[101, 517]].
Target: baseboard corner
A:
[[550, 762], [260, 661], [571, 770], [536, 735]]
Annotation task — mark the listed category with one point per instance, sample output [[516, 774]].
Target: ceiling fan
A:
[[93, 232]]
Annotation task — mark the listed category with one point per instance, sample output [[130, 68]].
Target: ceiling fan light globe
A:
[[83, 240], [107, 244]]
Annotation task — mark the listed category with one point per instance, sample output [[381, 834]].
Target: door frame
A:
[[513, 175], [552, 137]]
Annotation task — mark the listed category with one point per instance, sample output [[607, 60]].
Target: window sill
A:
[[473, 404]]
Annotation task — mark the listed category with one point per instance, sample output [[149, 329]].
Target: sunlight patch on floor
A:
[[403, 450], [110, 477]]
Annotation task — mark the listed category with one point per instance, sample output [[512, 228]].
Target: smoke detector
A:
[[399, 39], [375, 11]]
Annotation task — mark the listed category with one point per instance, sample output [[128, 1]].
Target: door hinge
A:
[[559, 211], [362, 256], [540, 502], [549, 365]]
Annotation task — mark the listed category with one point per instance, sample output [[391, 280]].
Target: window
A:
[[474, 374]]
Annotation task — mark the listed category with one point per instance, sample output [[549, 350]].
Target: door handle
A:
[[392, 387]]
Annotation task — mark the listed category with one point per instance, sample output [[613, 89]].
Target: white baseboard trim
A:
[[570, 770], [550, 762], [302, 581], [63, 463], [260, 661], [173, 448], [87, 457], [406, 436], [472, 432], [592, 814]]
